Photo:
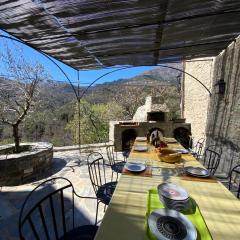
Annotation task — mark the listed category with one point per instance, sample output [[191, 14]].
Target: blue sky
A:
[[86, 77]]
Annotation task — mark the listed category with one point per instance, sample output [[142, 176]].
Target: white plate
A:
[[171, 222], [140, 148], [172, 191], [171, 140], [141, 139], [135, 167], [183, 151], [180, 206], [197, 172]]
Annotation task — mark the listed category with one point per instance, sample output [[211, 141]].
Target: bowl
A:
[[169, 156], [166, 150]]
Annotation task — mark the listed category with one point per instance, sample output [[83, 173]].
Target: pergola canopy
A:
[[88, 34]]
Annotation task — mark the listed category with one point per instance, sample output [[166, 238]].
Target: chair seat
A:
[[105, 192], [86, 232], [118, 167]]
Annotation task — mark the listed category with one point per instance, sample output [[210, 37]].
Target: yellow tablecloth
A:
[[124, 218]]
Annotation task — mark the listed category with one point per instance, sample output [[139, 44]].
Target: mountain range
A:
[[62, 92], [55, 94]]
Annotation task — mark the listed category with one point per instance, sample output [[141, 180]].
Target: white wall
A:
[[195, 96]]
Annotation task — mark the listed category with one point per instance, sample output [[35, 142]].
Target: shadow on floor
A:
[[9, 224]]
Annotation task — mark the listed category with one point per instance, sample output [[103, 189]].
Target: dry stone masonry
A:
[[223, 121], [215, 117], [25, 166]]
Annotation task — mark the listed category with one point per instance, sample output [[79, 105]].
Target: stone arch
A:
[[182, 135], [128, 137]]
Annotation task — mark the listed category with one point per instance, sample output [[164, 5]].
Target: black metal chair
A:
[[97, 172], [198, 148], [53, 214], [125, 154], [211, 160], [217, 148], [190, 143], [235, 172], [227, 166], [116, 165]]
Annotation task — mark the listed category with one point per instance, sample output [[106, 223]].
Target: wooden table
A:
[[124, 218]]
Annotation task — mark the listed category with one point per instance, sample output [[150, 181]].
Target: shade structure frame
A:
[[97, 34]]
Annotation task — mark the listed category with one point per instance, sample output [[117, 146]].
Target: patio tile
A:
[[65, 164]]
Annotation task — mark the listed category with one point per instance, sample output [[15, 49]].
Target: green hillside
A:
[[54, 119]]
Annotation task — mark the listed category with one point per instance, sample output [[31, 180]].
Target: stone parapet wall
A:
[[25, 166], [83, 147], [223, 123]]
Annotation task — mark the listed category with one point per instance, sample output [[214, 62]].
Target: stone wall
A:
[[223, 123], [26, 166], [142, 128], [195, 97]]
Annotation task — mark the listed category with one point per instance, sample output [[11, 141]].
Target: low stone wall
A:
[[83, 147], [26, 166]]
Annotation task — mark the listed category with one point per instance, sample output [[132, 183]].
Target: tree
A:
[[19, 90], [133, 96], [94, 121]]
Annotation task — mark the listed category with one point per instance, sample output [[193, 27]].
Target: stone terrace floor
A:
[[66, 164]]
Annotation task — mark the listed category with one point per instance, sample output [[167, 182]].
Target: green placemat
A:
[[195, 217]]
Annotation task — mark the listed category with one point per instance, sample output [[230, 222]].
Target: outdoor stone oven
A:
[[26, 166], [148, 117]]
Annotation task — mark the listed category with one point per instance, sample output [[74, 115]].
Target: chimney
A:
[[148, 103]]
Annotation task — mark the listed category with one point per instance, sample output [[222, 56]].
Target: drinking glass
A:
[[180, 168], [148, 162]]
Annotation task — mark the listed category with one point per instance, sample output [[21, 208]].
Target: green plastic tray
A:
[[195, 217]]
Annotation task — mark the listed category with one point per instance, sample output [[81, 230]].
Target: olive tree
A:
[[19, 90]]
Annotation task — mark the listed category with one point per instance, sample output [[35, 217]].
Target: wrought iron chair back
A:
[[190, 143], [211, 160], [116, 165], [198, 148], [111, 154], [97, 173], [216, 148], [125, 154], [97, 170], [235, 172], [47, 219]]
